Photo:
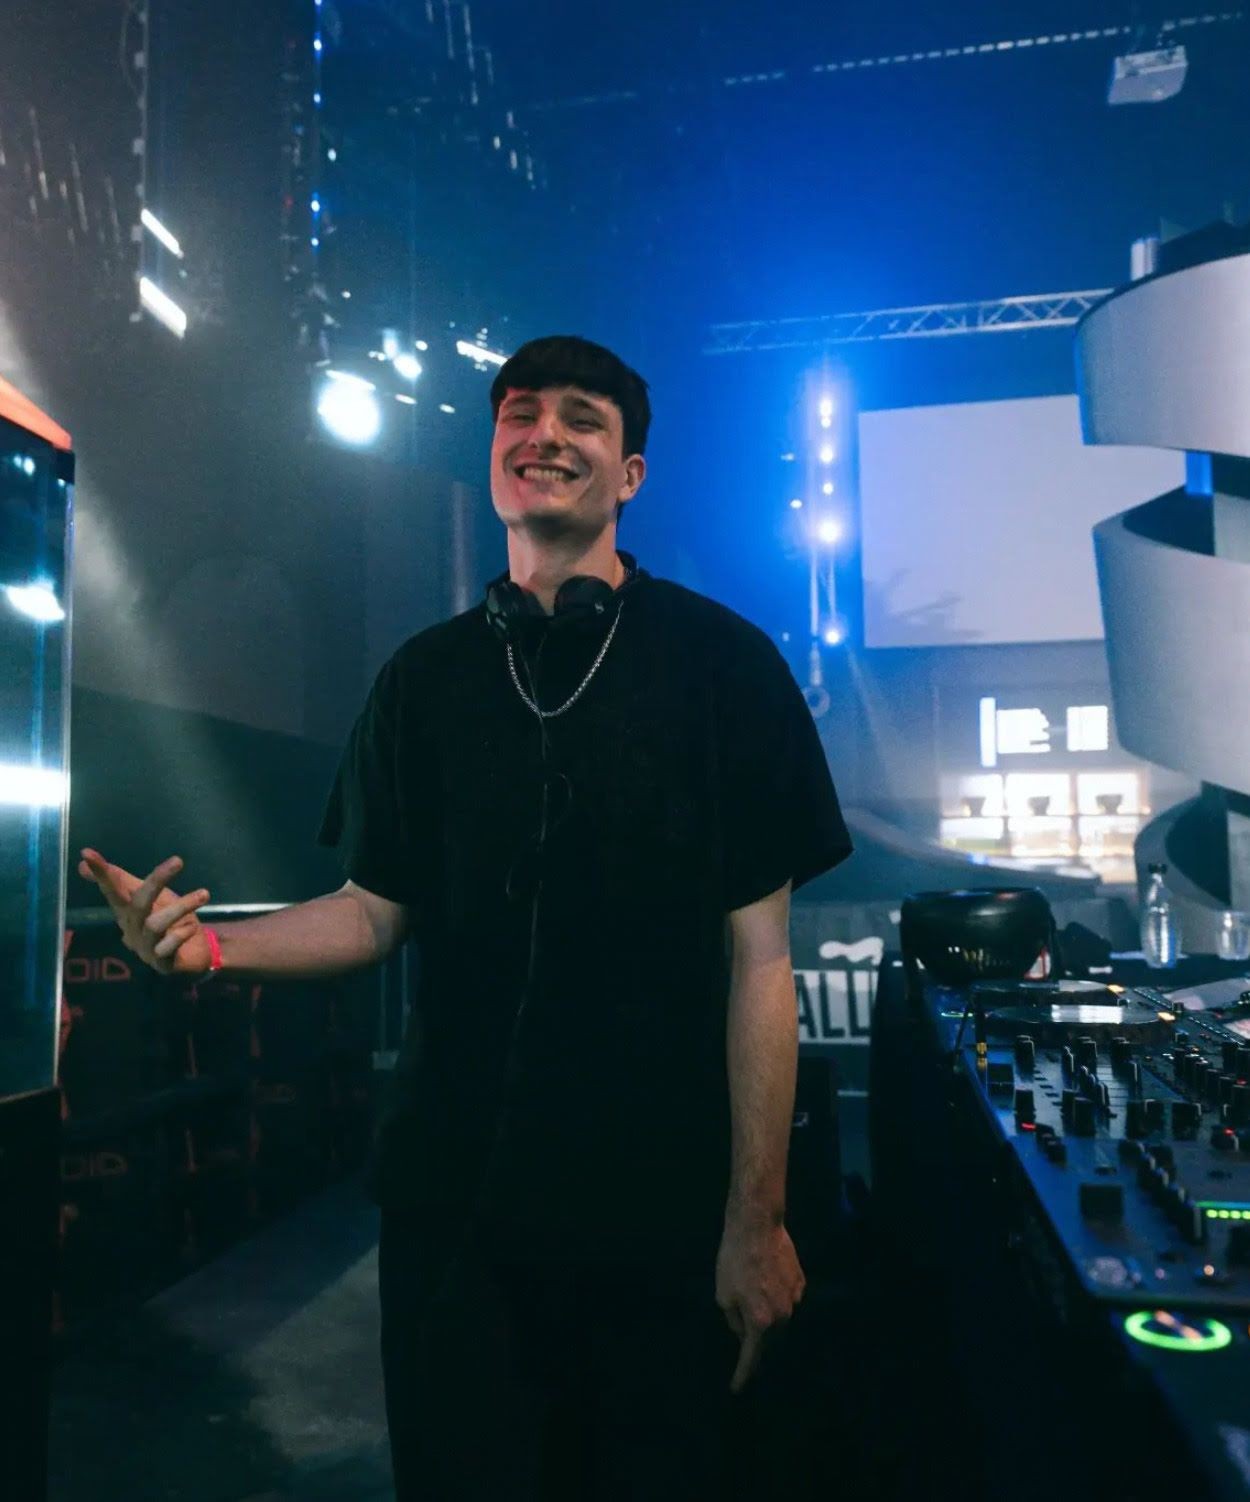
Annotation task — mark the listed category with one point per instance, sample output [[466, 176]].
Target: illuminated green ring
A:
[[1135, 1325]]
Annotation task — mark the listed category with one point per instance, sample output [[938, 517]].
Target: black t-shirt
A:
[[687, 781]]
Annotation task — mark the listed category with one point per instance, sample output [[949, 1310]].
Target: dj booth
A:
[[1061, 1176]]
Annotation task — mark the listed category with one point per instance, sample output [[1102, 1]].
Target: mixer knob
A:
[[1132, 1074], [1239, 1106], [1238, 1245], [1211, 1083], [1087, 1053], [1193, 1224], [1180, 1036], [1025, 1108], [1000, 1077], [1084, 1116], [1228, 1054], [1121, 1050], [1153, 1109], [1242, 1066], [1104, 1095], [1176, 1204], [1026, 1055], [1056, 1149], [1135, 1118], [1223, 1139], [1226, 1086], [1067, 1062], [1066, 1102], [1164, 1156]]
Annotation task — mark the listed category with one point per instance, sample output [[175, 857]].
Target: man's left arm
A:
[[758, 1277]]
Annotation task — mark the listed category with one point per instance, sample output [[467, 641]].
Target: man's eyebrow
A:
[[585, 403]]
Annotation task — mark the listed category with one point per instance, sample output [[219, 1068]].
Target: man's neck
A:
[[541, 565]]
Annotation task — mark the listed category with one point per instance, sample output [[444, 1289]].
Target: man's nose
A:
[[548, 431]]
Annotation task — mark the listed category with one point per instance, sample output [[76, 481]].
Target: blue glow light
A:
[[317, 98], [316, 44], [833, 637], [315, 242], [796, 504], [316, 205]]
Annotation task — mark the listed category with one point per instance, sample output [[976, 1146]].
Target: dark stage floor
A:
[[256, 1378]]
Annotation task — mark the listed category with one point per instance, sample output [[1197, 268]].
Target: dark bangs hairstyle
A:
[[567, 360]]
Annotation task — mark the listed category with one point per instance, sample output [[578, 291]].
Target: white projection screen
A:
[[976, 520]]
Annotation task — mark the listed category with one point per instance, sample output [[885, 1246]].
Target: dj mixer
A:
[[1065, 1166]]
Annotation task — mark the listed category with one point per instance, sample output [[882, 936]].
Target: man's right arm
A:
[[344, 930]]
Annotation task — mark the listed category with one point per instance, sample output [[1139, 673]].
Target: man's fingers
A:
[[146, 893], [174, 939], [160, 923], [748, 1358]]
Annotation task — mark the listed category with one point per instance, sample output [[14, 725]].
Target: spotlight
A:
[[827, 453], [476, 353], [407, 366], [829, 531], [826, 409], [349, 409], [36, 601], [26, 786], [833, 636], [162, 307], [154, 226], [827, 488], [796, 504], [1147, 77]]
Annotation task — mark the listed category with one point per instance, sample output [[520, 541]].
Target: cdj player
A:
[[1062, 1171]]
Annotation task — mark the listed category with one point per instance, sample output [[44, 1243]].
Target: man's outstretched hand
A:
[[758, 1283], [156, 924]]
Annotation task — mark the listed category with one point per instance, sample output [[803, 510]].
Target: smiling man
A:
[[624, 785], [588, 800]]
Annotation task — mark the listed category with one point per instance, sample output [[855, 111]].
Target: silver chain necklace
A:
[[550, 714]]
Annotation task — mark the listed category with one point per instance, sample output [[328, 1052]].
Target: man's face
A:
[[556, 463]]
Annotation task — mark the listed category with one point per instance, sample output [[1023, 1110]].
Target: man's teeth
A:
[[542, 472]]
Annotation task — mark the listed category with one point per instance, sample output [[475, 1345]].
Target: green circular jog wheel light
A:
[[1177, 1332]]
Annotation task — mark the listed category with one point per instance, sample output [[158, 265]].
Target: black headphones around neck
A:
[[580, 601]]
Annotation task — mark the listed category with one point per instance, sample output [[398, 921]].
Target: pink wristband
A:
[[214, 952]]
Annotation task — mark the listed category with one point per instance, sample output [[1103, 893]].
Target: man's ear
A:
[[635, 474]]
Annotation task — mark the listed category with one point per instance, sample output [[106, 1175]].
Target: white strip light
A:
[[480, 355], [348, 379], [24, 786], [168, 240], [38, 601], [162, 307]]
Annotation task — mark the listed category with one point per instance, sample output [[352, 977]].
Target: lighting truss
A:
[[936, 320], [1170, 31]]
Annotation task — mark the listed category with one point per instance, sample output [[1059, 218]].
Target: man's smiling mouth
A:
[[552, 472]]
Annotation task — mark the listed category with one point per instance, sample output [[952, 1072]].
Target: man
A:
[[588, 800]]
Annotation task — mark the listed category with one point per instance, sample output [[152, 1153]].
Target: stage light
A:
[[826, 422], [422, 345], [38, 602], [32, 787], [407, 366], [162, 307], [826, 409], [315, 242], [316, 205], [476, 353], [390, 344], [317, 44], [445, 407], [829, 531], [349, 409], [827, 488], [317, 98], [332, 155], [827, 454], [796, 504], [408, 401], [151, 223], [833, 636]]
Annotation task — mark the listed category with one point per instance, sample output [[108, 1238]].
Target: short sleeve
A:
[[363, 814], [781, 817]]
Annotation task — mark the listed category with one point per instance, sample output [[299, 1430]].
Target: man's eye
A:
[[585, 422]]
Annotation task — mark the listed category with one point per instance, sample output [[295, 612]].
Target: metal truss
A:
[[1169, 32], [937, 320]]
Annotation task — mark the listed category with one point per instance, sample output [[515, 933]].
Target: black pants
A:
[[546, 1384]]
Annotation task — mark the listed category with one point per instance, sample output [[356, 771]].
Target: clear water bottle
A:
[[1160, 941]]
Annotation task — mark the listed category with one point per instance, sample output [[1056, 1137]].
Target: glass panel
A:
[[35, 512]]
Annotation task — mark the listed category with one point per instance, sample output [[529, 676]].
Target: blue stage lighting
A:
[[349, 409]]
